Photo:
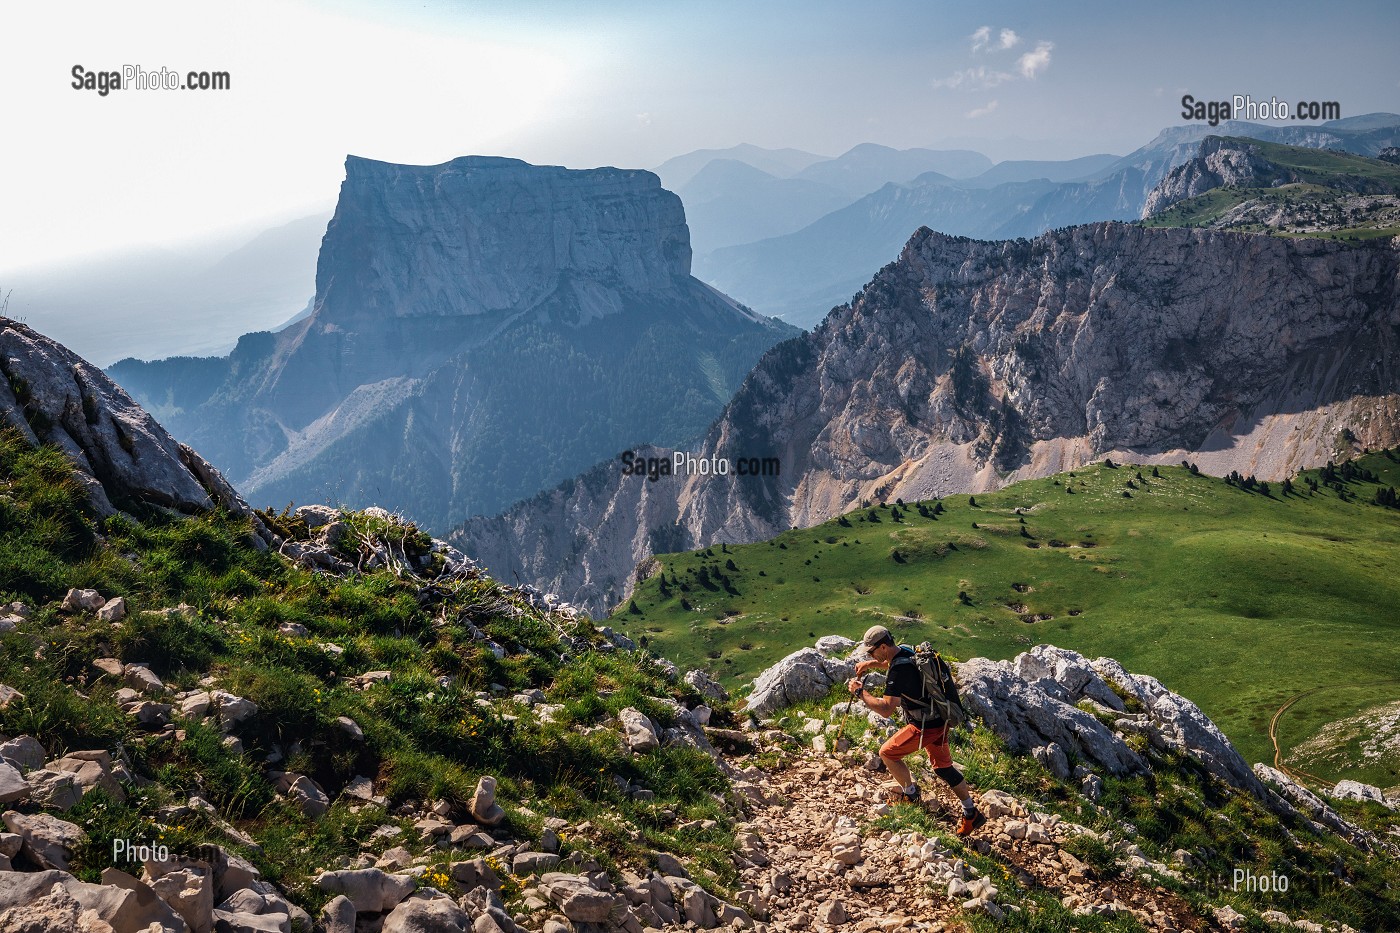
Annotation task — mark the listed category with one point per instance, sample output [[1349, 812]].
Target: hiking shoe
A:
[[969, 824]]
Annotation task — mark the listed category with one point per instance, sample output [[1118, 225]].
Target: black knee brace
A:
[[951, 775]]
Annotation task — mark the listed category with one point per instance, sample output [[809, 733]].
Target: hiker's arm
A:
[[871, 664], [885, 706]]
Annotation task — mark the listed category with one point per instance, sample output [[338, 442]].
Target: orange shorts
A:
[[910, 739]]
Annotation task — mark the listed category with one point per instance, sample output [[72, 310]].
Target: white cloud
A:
[[977, 78], [981, 38], [982, 111], [1032, 63], [644, 118], [1009, 39]]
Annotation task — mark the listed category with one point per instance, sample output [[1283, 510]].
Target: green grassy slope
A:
[[444, 719], [1233, 598], [1321, 165]]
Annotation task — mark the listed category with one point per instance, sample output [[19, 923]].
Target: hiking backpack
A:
[[940, 690]]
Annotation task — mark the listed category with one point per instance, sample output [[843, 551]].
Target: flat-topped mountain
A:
[[481, 329], [480, 235], [967, 364]]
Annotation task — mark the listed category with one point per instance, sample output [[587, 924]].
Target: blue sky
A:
[[621, 83]]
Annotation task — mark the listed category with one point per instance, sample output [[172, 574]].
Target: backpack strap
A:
[[921, 706]]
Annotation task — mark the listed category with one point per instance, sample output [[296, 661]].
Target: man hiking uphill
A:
[[904, 687]]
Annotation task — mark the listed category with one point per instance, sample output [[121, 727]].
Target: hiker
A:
[[904, 687]]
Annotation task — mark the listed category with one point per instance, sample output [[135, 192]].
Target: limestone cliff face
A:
[[482, 235], [967, 365], [481, 330], [1220, 162]]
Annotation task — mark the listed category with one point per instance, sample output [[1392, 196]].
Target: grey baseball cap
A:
[[876, 635]]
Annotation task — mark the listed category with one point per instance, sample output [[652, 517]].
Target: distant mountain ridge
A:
[[745, 194], [676, 172], [966, 365], [776, 276], [869, 166], [481, 329], [729, 202], [1081, 169]]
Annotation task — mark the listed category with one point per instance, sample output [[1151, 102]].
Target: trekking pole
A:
[[841, 731]]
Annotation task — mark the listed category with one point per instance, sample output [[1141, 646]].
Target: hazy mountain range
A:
[[740, 204], [800, 275], [481, 329], [485, 329], [966, 365]]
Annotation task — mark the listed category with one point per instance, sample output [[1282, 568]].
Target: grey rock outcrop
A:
[[119, 450], [368, 889], [1311, 806], [705, 685], [1033, 703], [53, 790], [484, 808], [1219, 162], [1355, 790], [24, 752], [304, 792], [425, 913], [803, 675], [638, 731], [1028, 717], [967, 365], [190, 893], [1183, 726], [57, 911], [13, 787], [338, 916], [576, 897]]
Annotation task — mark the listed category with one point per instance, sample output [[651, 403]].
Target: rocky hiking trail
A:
[[821, 859]]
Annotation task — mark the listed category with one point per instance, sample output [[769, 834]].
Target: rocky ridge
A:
[[1220, 162], [1242, 163], [387, 887], [52, 396], [968, 365], [446, 864], [807, 859]]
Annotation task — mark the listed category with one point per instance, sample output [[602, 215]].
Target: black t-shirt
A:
[[905, 682]]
